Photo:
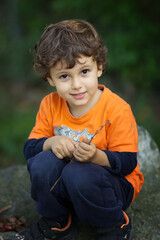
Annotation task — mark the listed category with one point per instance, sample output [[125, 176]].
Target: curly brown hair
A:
[[68, 40]]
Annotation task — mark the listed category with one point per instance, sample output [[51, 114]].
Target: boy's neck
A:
[[82, 110]]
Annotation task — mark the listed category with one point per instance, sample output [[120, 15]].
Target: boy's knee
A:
[[38, 162], [68, 172], [45, 164], [80, 176], [72, 175]]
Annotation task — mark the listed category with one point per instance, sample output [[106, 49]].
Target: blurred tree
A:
[[129, 28]]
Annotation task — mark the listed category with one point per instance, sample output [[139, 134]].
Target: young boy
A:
[[82, 152]]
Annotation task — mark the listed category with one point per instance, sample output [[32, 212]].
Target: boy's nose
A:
[[76, 83]]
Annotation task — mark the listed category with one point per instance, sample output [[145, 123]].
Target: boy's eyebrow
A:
[[87, 65], [64, 70]]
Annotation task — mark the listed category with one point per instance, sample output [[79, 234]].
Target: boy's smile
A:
[[77, 85], [79, 95]]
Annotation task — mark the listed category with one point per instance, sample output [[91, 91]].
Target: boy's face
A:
[[77, 85]]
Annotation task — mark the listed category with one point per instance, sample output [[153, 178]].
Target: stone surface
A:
[[145, 210]]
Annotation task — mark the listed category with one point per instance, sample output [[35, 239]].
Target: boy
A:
[[81, 153]]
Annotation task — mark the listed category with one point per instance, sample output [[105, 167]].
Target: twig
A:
[[108, 122], [5, 209], [55, 183]]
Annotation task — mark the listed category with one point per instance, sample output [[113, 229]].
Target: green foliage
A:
[[15, 125], [129, 28]]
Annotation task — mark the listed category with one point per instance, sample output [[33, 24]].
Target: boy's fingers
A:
[[84, 146], [80, 151], [72, 147], [59, 155], [85, 139]]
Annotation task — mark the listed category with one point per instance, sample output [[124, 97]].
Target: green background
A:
[[131, 31]]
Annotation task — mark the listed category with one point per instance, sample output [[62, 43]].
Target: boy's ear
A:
[[99, 73], [51, 82]]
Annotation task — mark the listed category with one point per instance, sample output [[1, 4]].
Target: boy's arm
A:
[[120, 163], [61, 146], [101, 158], [86, 151], [33, 146]]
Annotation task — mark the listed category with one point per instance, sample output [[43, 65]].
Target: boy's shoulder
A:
[[51, 95], [51, 98], [51, 101], [113, 105], [112, 99]]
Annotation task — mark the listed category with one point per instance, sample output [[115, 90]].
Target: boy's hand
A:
[[84, 151], [61, 146]]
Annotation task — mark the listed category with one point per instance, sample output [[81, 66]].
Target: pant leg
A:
[[97, 195], [45, 168]]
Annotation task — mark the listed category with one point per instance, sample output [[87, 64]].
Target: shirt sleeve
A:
[[122, 134], [33, 147], [43, 125], [122, 163]]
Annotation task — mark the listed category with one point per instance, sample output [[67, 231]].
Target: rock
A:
[[145, 210], [15, 191], [148, 155]]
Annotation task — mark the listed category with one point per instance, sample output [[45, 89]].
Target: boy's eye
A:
[[64, 76], [85, 71]]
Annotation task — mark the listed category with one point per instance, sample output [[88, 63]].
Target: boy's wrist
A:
[[100, 158], [47, 144]]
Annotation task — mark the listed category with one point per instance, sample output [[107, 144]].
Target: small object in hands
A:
[[108, 122]]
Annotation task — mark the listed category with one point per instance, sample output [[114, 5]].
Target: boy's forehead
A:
[[61, 64], [82, 60]]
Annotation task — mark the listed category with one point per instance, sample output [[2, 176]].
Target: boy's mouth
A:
[[78, 95]]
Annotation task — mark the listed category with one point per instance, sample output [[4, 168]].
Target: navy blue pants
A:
[[92, 192]]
